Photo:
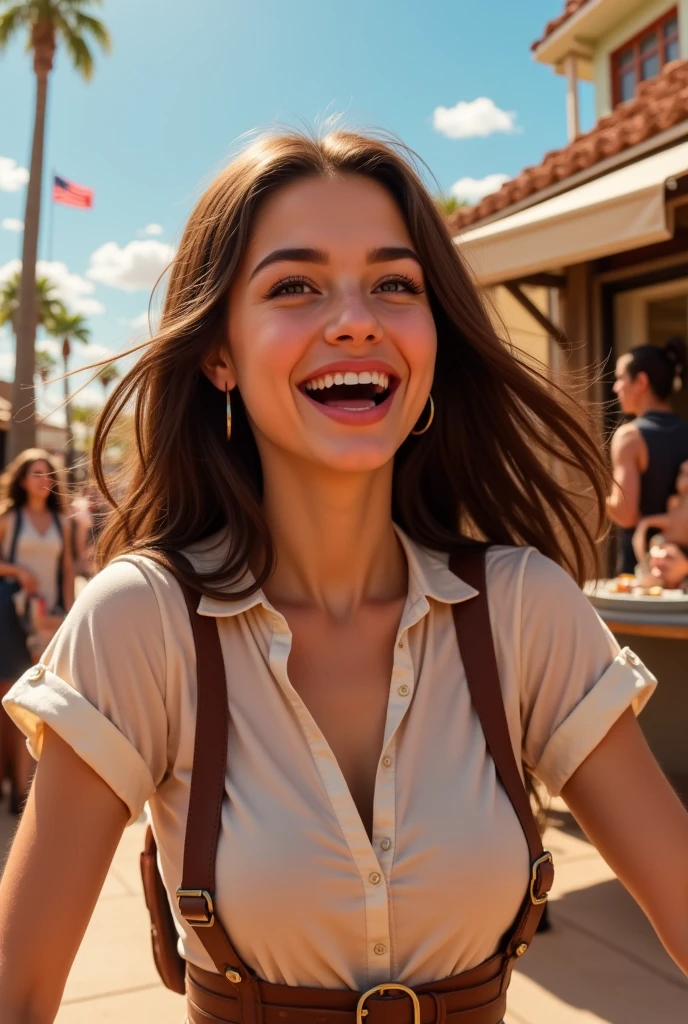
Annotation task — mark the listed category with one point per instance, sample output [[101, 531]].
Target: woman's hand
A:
[[27, 581]]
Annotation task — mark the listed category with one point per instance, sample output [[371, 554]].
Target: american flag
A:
[[70, 194]]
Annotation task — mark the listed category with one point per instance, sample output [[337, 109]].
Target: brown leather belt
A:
[[474, 997]]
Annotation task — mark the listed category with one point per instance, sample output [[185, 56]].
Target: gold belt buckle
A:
[[361, 1012]]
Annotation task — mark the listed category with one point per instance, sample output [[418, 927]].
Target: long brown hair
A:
[[12, 492], [485, 466]]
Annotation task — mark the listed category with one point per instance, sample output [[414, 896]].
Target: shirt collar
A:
[[429, 577]]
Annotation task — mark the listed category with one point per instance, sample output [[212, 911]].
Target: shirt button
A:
[[633, 658], [385, 844], [380, 949], [401, 643], [404, 690], [387, 762], [375, 877], [36, 672]]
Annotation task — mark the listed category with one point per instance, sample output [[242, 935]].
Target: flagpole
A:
[[51, 219]]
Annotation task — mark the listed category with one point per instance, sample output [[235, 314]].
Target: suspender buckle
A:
[[541, 885], [361, 1012], [196, 907]]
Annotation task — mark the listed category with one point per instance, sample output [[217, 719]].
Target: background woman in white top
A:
[[375, 415], [34, 555]]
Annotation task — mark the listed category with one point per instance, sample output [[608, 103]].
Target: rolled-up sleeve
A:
[[101, 685], [575, 680]]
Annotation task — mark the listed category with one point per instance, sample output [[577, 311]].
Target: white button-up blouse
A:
[[306, 897]]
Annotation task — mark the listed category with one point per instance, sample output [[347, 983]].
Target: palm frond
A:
[[77, 48], [11, 21], [84, 23]]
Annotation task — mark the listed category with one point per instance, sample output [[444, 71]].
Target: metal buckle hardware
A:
[[209, 908], [361, 1012], [547, 856]]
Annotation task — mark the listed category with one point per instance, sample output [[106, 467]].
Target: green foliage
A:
[[54, 22], [108, 374], [48, 306], [45, 364], [68, 326], [448, 205]]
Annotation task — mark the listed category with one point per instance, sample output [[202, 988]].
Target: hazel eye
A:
[[290, 286], [399, 286]]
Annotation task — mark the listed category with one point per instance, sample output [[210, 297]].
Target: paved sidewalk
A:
[[601, 962]]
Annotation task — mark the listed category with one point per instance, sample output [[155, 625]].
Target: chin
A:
[[357, 458]]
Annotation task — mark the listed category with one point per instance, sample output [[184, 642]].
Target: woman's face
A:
[[331, 338], [39, 480], [627, 388]]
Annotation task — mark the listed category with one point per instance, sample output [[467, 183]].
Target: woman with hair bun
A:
[[646, 453], [330, 697]]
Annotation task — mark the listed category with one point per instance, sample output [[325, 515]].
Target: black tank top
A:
[[666, 437]]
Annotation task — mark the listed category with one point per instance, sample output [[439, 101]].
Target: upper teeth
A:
[[366, 377]]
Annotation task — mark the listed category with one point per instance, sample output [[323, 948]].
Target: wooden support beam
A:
[[543, 280], [552, 330]]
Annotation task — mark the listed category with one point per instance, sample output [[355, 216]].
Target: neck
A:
[[652, 404], [36, 504], [334, 540]]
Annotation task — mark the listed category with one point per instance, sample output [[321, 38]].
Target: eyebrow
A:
[[385, 254]]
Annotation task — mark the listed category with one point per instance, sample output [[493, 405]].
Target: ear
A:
[[219, 369], [642, 380]]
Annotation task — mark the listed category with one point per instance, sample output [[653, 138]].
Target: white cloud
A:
[[6, 365], [94, 352], [12, 224], [12, 176], [477, 118], [70, 288], [139, 322], [472, 190], [153, 229], [130, 267]]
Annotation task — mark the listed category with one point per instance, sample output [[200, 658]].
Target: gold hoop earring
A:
[[431, 417], [229, 416]]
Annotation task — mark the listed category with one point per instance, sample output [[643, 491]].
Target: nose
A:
[[354, 322]]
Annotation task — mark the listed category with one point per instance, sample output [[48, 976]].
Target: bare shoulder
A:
[[627, 438]]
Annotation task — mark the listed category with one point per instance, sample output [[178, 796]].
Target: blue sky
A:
[[187, 78]]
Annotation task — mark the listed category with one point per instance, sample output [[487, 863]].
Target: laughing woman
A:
[[323, 417]]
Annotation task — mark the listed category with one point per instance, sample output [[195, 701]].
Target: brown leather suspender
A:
[[196, 894], [476, 644]]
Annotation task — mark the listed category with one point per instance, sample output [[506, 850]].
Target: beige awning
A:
[[622, 210]]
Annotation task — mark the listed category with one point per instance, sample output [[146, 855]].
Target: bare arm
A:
[[65, 843], [627, 452], [627, 808], [658, 522]]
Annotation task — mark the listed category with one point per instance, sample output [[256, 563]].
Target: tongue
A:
[[357, 404]]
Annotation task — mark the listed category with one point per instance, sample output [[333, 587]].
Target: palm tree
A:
[[70, 327], [107, 375], [45, 364], [47, 23], [47, 304]]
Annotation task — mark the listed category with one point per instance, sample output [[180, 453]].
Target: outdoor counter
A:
[[656, 629]]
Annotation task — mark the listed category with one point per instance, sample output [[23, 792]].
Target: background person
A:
[[36, 558], [646, 453]]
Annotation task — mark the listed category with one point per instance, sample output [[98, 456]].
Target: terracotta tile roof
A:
[[571, 7], [658, 104]]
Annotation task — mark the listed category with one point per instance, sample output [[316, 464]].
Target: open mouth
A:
[[351, 392]]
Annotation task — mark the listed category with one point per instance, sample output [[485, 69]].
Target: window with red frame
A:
[[644, 56]]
